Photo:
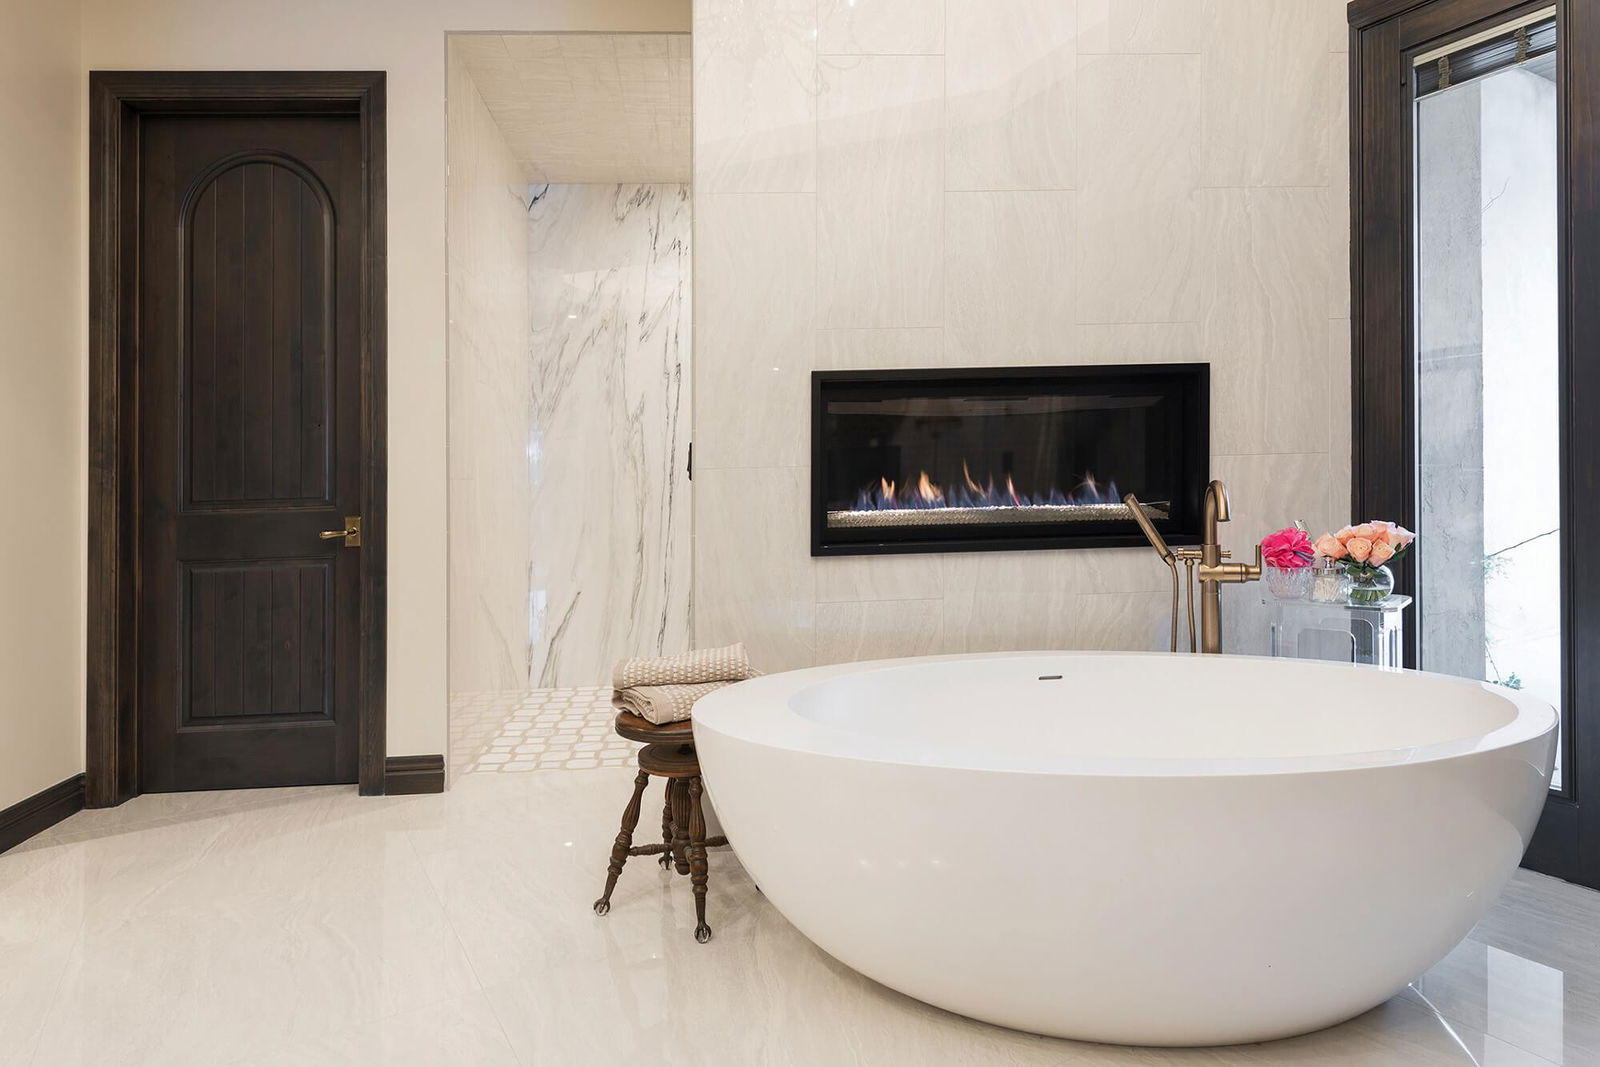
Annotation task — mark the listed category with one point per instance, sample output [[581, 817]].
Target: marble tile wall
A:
[[969, 182], [609, 296], [489, 383]]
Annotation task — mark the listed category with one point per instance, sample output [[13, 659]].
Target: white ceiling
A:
[[586, 107]]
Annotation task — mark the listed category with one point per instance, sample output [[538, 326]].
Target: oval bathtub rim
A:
[[787, 731]]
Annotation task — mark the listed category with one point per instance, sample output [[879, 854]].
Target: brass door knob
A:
[[351, 532]]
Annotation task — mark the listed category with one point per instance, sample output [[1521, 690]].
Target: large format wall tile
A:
[[1010, 287], [1138, 342], [982, 620], [754, 577], [1264, 317], [907, 348], [1118, 181], [609, 296], [1010, 68], [1143, 26], [1139, 123], [878, 629], [1269, 92], [880, 182], [755, 316], [908, 577], [755, 96], [880, 27]]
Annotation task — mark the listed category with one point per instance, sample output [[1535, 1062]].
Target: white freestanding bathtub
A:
[[1140, 849]]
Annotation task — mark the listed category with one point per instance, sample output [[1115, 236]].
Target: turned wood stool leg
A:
[[619, 850], [680, 824], [697, 860], [666, 829]]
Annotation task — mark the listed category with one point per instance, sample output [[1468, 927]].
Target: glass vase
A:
[[1370, 585], [1287, 584], [1329, 583]]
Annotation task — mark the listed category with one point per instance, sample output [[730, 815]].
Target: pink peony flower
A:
[[1288, 549], [1382, 552], [1359, 548], [1330, 546]]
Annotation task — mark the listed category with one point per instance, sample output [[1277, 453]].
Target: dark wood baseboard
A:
[[413, 774], [41, 811]]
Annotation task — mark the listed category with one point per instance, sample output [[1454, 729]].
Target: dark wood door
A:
[[249, 413]]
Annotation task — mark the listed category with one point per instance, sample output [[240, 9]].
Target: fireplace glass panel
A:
[[1038, 457]]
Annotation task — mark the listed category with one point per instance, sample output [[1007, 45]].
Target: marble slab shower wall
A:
[[609, 295], [917, 183], [489, 383]]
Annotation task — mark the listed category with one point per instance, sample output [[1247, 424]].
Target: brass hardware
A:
[[351, 532], [1211, 563]]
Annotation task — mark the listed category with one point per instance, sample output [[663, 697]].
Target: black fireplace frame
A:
[[1196, 463]]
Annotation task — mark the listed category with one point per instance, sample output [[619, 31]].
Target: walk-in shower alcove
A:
[[1006, 458]]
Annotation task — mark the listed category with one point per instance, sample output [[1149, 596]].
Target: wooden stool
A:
[[668, 753]]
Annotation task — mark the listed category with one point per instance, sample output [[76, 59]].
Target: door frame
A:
[[1383, 33], [118, 100]]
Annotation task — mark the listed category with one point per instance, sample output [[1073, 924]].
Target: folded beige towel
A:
[[662, 704], [663, 689], [729, 664]]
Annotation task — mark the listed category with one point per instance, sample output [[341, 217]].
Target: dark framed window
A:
[[1474, 326]]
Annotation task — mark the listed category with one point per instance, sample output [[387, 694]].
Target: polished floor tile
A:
[[311, 926]]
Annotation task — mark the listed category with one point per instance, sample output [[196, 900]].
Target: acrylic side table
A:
[[1339, 633]]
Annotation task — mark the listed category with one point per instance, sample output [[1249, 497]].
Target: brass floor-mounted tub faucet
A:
[[1213, 562]]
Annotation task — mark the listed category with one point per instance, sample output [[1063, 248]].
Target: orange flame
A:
[[927, 491]]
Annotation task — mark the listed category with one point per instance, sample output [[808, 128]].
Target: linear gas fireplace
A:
[[1006, 458]]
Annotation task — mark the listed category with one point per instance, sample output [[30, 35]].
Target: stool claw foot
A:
[[702, 933], [602, 906]]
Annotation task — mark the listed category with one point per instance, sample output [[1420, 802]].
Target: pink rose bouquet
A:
[[1360, 550], [1288, 549]]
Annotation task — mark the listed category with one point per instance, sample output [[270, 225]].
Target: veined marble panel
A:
[[609, 294]]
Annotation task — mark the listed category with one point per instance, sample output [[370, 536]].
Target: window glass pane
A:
[[1488, 449]]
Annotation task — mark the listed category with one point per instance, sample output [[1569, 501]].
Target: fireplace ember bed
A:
[[1006, 458]]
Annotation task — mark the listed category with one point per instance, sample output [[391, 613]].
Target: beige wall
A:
[[407, 39], [491, 497], [969, 182], [42, 406]]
